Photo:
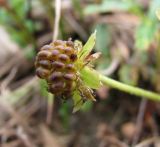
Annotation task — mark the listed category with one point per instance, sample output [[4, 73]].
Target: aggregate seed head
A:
[[56, 64]]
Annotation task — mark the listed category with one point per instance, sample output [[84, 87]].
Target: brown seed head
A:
[[56, 64]]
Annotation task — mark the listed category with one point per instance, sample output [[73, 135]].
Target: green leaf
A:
[[87, 48], [108, 5], [20, 7], [29, 25], [145, 34], [102, 39], [77, 100], [90, 77], [17, 36]]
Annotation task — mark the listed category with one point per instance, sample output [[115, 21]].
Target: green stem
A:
[[129, 89]]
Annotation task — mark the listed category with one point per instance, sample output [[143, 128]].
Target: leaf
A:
[[20, 7], [107, 6], [29, 25], [87, 48], [145, 34], [7, 20], [90, 77], [102, 39], [77, 100]]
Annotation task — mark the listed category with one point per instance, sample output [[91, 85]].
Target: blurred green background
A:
[[128, 36]]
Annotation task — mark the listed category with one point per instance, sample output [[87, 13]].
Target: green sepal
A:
[[77, 101], [87, 48], [90, 77]]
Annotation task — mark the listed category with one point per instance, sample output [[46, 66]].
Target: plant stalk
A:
[[129, 89], [122, 86]]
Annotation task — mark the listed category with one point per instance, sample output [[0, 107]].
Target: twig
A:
[[55, 36], [9, 78], [147, 142], [57, 18], [24, 137], [139, 121], [114, 141], [7, 66]]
